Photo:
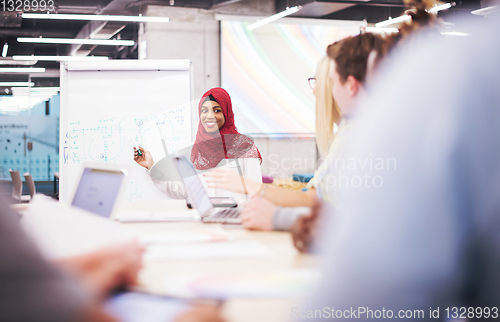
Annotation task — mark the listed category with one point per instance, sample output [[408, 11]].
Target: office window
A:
[[23, 120]]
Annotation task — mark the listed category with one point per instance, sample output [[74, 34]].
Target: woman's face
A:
[[211, 116]]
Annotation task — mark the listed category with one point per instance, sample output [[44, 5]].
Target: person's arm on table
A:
[[201, 314], [289, 198], [107, 268], [261, 214], [284, 218], [33, 289], [305, 229], [229, 180]]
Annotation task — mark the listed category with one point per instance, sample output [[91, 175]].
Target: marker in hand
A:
[[139, 152]]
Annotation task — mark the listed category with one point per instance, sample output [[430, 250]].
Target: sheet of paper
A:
[[140, 307], [183, 237], [60, 230], [294, 283], [151, 216], [233, 249]]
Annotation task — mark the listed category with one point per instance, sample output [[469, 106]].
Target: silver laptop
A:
[[100, 187], [200, 198]]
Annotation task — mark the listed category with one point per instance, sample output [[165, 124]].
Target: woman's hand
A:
[[258, 214], [304, 231], [107, 268], [145, 160], [201, 314], [223, 178]]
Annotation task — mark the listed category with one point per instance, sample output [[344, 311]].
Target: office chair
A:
[[17, 190], [31, 184]]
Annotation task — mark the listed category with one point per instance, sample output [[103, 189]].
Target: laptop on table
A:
[[199, 196], [100, 187]]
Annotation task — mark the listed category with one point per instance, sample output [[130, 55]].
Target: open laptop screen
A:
[[193, 185], [98, 190]]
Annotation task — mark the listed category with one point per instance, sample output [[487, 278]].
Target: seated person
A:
[[427, 240], [36, 290], [274, 210], [218, 144], [353, 60], [73, 289]]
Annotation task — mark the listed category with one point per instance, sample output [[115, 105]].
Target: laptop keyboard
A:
[[227, 213]]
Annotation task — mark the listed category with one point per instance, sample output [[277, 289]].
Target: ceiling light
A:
[[69, 41], [391, 21], [5, 48], [10, 61], [37, 89], [387, 30], [94, 17], [16, 84], [486, 11], [59, 58], [34, 95], [23, 70], [277, 16], [404, 18], [454, 33], [438, 8]]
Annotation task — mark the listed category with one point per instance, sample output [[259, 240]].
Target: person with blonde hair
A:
[[327, 111], [278, 208]]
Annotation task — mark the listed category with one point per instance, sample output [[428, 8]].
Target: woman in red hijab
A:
[[217, 136], [218, 144]]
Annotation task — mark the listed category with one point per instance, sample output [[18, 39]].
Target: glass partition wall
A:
[[29, 126]]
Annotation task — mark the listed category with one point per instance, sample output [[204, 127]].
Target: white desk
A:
[[284, 257]]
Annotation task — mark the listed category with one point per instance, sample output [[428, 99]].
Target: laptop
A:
[[199, 196], [99, 188]]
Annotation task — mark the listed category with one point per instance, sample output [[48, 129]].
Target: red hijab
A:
[[210, 148]]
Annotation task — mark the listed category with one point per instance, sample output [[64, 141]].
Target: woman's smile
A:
[[211, 116]]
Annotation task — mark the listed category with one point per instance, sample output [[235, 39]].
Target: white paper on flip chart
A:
[[60, 230], [184, 237], [152, 216], [234, 249]]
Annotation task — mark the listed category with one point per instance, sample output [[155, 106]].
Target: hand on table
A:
[[258, 214], [304, 231], [145, 160], [223, 178], [201, 314], [107, 268]]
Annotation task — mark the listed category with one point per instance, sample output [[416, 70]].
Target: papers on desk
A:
[[230, 249], [297, 283], [184, 237], [152, 216], [61, 231], [140, 307]]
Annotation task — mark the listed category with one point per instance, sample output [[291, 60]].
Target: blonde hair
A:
[[327, 111]]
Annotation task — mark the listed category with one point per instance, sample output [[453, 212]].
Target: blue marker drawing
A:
[[66, 157]]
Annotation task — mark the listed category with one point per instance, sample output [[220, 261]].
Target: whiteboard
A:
[[107, 105]]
